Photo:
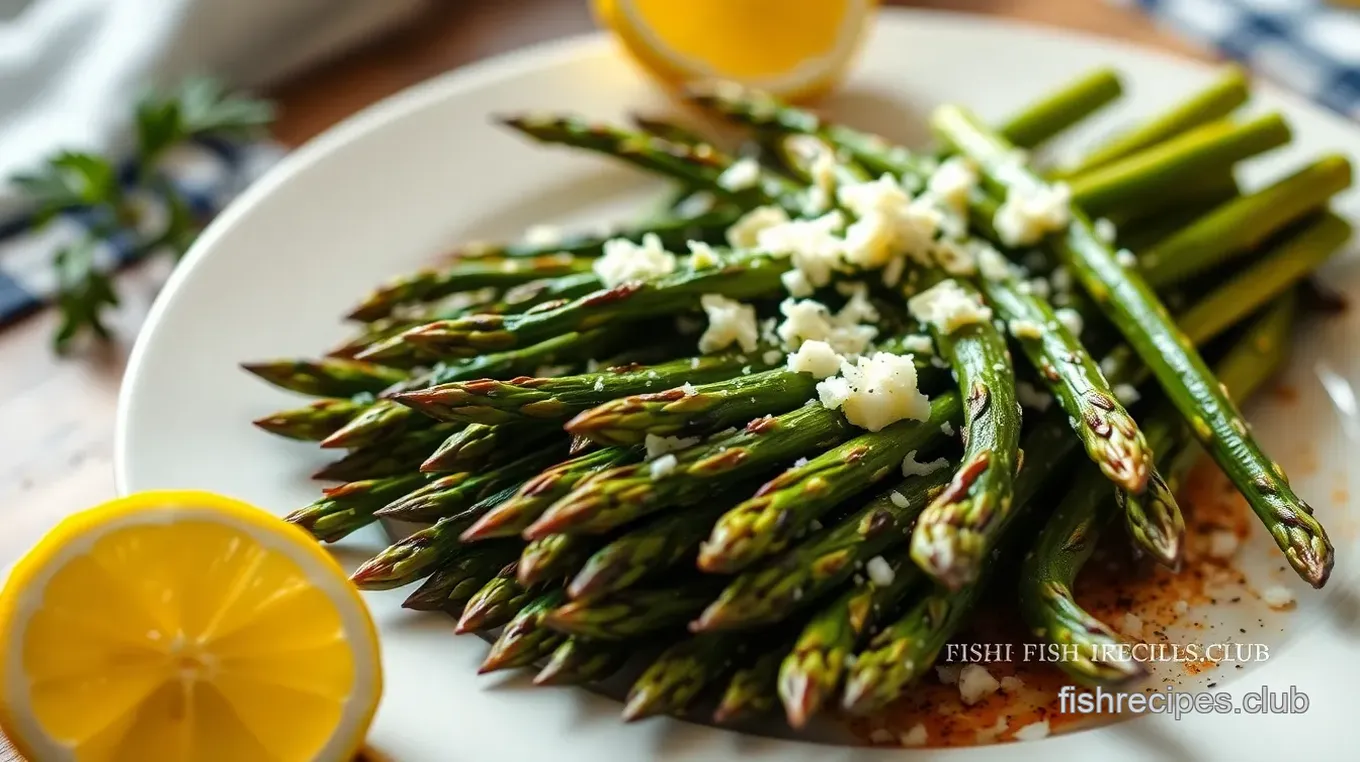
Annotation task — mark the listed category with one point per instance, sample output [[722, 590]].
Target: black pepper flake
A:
[[1213, 685]]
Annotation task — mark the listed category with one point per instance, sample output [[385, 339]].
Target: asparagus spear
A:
[[497, 602], [489, 401], [459, 578], [1206, 191], [673, 230], [675, 678], [516, 514], [956, 532], [465, 275], [622, 494], [448, 495], [751, 690], [1179, 369], [1187, 156], [1071, 533], [526, 640], [1219, 99], [811, 673], [657, 545], [908, 647], [786, 505], [327, 377], [315, 421], [579, 660], [1065, 107], [388, 418], [1243, 225], [348, 507], [668, 130], [478, 446], [376, 461], [743, 277], [1108, 432], [805, 573], [630, 613], [553, 556]]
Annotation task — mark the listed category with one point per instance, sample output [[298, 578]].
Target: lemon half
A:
[[184, 626], [791, 48]]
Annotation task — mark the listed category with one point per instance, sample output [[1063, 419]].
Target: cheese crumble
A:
[[1031, 211], [876, 391], [662, 466], [880, 571], [947, 307], [625, 261], [743, 234], [911, 467], [729, 322], [816, 358], [743, 174], [658, 446], [976, 684]]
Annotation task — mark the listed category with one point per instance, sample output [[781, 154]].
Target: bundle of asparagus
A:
[[802, 504]]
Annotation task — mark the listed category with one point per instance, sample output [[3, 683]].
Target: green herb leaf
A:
[[83, 294], [207, 109], [69, 180]]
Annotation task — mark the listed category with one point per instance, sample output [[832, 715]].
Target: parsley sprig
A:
[[111, 196]]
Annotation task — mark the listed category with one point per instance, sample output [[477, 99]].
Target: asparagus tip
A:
[[640, 705], [801, 699]]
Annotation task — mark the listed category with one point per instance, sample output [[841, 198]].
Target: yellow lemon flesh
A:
[[792, 48], [173, 626]]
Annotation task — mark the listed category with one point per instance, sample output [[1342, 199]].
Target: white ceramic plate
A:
[[390, 188]]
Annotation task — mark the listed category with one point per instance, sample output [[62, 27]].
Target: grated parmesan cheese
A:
[[1071, 320], [976, 684], [1278, 597], [812, 245], [796, 283], [880, 571], [953, 181], [898, 499], [916, 736], [947, 429], [920, 345], [991, 264], [599, 384], [1026, 329], [729, 322], [1105, 230], [947, 307], [808, 320], [625, 261], [658, 446], [1222, 544], [1032, 732], [876, 391], [744, 173], [1031, 211], [543, 235], [688, 389], [910, 466], [744, 232], [1126, 258], [663, 466], [1131, 625], [816, 358], [702, 256]]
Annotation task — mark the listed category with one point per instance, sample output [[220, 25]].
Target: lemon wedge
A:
[[792, 48], [172, 626]]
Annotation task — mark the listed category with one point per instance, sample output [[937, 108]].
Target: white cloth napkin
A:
[[70, 70]]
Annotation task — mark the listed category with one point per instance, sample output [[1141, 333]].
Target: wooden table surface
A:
[[56, 451]]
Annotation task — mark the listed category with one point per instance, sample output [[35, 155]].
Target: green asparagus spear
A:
[[805, 573], [811, 673], [657, 545], [327, 377], [1218, 100], [1071, 533], [1179, 369], [908, 647], [377, 461], [1109, 434], [1205, 192], [785, 506], [630, 613], [478, 446], [580, 660], [554, 556], [737, 277], [516, 514], [465, 275], [489, 401], [315, 421], [677, 676], [381, 421], [497, 602], [622, 494], [348, 507], [673, 230], [448, 495], [455, 582], [1187, 156], [1243, 225], [526, 640], [751, 691], [956, 532]]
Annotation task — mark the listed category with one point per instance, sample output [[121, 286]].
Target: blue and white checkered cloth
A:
[[208, 174], [1310, 46]]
